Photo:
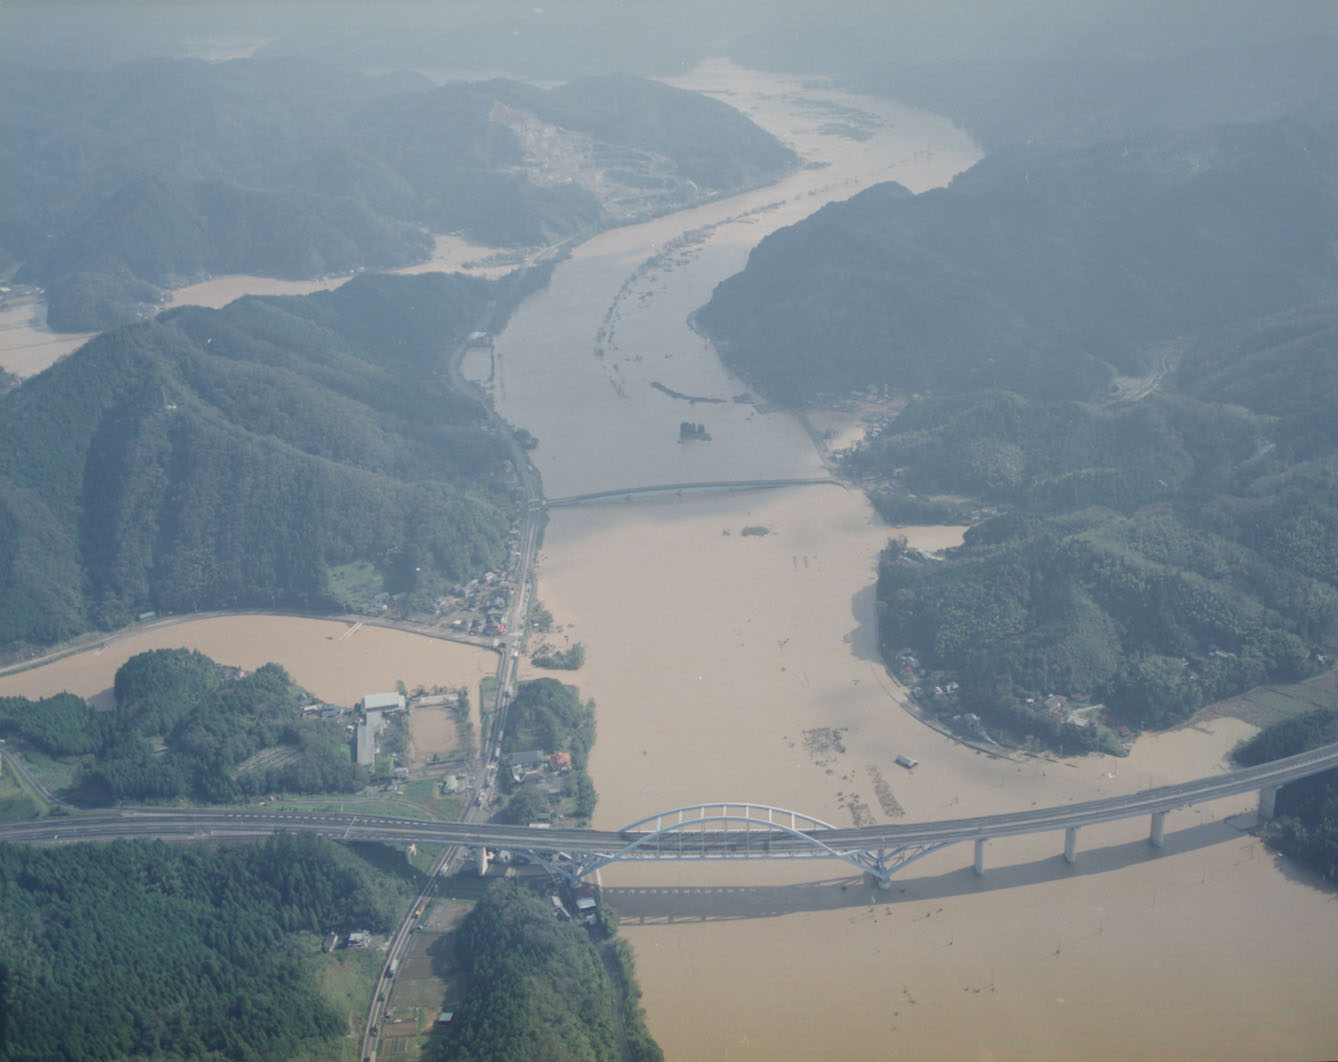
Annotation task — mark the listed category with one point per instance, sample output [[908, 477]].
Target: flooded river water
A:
[[742, 667]]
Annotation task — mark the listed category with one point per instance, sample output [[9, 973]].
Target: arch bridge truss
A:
[[719, 831]]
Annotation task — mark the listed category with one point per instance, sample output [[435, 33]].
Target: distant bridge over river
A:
[[701, 832], [721, 485]]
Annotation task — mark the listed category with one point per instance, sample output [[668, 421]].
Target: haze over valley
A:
[[894, 415]]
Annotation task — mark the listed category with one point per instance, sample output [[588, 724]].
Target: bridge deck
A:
[[727, 835], [677, 488]]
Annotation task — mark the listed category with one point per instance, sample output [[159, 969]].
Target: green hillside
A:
[[292, 168], [1124, 373], [538, 988], [231, 458], [140, 949], [1152, 555], [1044, 272], [185, 728]]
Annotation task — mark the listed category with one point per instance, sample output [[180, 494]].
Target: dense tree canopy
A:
[[294, 168], [1040, 271], [234, 458], [1307, 810], [185, 728], [537, 989], [547, 714], [144, 950], [1126, 359]]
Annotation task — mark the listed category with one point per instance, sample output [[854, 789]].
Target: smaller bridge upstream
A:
[[720, 486]]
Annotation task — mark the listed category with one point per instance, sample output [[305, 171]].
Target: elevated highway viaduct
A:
[[717, 830]]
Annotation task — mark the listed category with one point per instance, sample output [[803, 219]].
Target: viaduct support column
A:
[[1158, 835], [1071, 845], [980, 856], [1266, 799]]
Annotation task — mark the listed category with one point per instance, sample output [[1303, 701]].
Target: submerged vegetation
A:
[[570, 659]]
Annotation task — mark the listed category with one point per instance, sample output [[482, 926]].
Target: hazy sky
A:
[[1028, 69]]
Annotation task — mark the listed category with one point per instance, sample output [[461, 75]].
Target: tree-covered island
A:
[[545, 749], [185, 728]]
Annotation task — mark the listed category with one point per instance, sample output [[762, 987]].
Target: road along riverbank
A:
[[743, 666]]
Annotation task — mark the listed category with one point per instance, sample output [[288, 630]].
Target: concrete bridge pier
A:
[[1267, 796], [1157, 838], [980, 856], [1071, 844]]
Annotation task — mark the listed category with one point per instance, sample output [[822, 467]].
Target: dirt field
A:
[[428, 979], [1265, 705], [433, 731]]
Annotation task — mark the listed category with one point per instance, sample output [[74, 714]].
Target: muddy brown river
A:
[[723, 664], [742, 667]]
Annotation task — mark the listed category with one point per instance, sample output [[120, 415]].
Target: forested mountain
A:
[[1129, 354], [1045, 272], [119, 183], [538, 989], [140, 949], [1153, 554], [231, 458]]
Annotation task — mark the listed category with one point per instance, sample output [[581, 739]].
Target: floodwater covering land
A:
[[738, 667], [331, 659], [27, 346], [744, 667]]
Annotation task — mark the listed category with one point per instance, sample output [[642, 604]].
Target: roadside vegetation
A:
[[1306, 811], [140, 949], [538, 988], [549, 717]]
